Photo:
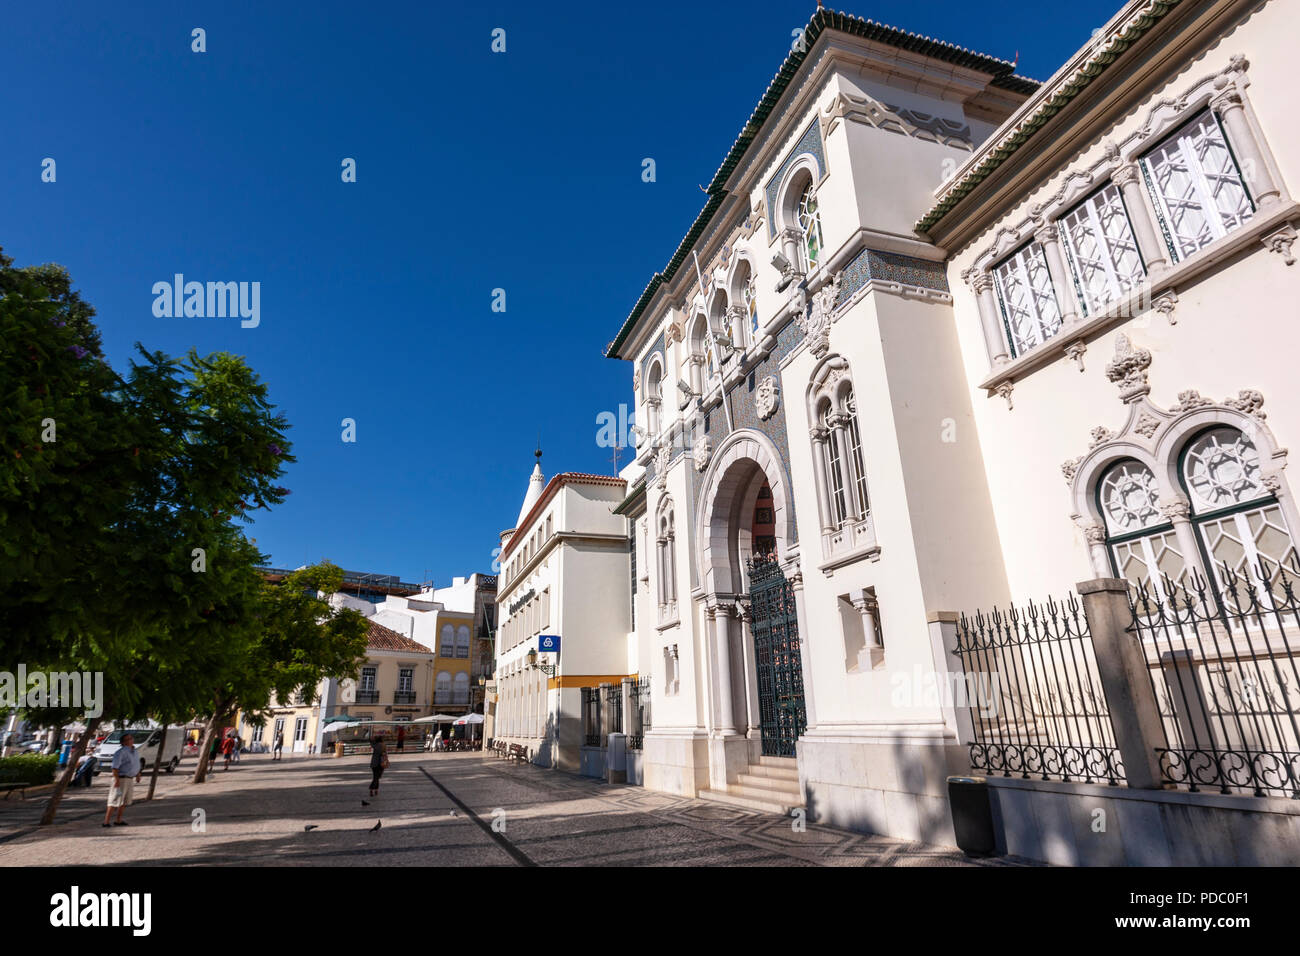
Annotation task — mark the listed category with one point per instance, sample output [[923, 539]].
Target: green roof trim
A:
[[1002, 71], [1061, 93], [636, 494]]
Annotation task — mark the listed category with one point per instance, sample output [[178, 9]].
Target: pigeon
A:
[[311, 826], [377, 825], [365, 803], [452, 814]]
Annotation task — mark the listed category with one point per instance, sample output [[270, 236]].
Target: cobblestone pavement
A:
[[436, 810]]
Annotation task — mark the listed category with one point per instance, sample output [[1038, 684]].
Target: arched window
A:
[[701, 357], [654, 396], [1141, 540], [810, 222], [442, 688], [447, 646], [839, 460], [461, 688], [1238, 520], [462, 641], [749, 295], [667, 562]]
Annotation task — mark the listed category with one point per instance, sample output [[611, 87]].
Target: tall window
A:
[[1238, 520], [667, 564], [1141, 540], [1198, 189], [442, 688], [749, 295], [810, 222], [834, 468], [462, 641], [855, 451], [1029, 308], [447, 645], [654, 388], [405, 680], [460, 693], [1101, 249], [368, 676]]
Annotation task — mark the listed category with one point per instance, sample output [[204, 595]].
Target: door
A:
[[782, 717], [300, 735]]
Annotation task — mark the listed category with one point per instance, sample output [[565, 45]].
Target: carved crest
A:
[[768, 397]]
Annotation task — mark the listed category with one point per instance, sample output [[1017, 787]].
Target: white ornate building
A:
[[923, 284]]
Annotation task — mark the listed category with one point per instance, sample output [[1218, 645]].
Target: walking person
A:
[[235, 751], [378, 762], [227, 750], [279, 745], [127, 767], [401, 739], [213, 751]]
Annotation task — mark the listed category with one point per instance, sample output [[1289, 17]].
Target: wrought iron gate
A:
[[776, 655]]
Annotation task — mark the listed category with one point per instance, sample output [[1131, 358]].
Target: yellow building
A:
[[452, 662]]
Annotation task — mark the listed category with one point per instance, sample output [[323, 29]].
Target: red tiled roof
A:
[[552, 486], [380, 638]]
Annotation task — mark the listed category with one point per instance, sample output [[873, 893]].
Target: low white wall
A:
[[1076, 824]]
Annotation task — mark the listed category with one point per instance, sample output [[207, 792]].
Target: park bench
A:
[[518, 752], [8, 788]]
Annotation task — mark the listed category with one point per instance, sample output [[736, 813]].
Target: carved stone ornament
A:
[[768, 397], [1188, 400], [1128, 369], [1146, 424], [816, 324], [702, 451], [1005, 390], [662, 458], [1175, 505], [1075, 351], [1100, 435], [1280, 242], [1095, 532], [676, 331], [636, 381], [1164, 304], [1248, 401], [1068, 468], [1272, 481]]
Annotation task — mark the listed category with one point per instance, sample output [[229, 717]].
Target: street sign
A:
[[549, 643]]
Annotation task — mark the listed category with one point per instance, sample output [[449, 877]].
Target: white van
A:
[[146, 743]]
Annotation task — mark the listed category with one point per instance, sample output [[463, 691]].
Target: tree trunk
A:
[[201, 771], [61, 785], [157, 760]]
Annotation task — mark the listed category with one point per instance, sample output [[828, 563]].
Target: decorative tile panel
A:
[[811, 143]]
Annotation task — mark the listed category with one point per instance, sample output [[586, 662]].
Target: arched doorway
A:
[[746, 528]]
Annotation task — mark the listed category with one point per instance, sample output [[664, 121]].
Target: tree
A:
[[120, 504], [299, 641]]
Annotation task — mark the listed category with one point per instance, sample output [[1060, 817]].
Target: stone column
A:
[[1095, 533], [1155, 255], [753, 721], [1049, 237], [791, 239], [1122, 667], [1231, 107], [981, 283], [839, 435], [795, 577], [726, 720], [820, 437]]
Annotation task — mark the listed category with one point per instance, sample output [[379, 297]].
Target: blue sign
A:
[[549, 643]]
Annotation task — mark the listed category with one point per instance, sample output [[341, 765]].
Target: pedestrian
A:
[[213, 751], [85, 774], [378, 762], [235, 751], [279, 745], [127, 767], [401, 739], [227, 750]]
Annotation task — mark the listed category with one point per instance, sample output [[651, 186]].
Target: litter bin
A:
[[64, 751], [972, 815]]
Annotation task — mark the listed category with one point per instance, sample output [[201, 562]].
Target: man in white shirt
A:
[[127, 768]]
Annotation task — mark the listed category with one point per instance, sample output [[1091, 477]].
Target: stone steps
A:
[[762, 805], [769, 786]]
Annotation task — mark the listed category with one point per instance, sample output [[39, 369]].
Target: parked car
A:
[[146, 742], [35, 746]]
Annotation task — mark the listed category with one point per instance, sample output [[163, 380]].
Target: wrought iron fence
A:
[[1029, 678], [640, 712], [614, 709], [1226, 677], [591, 715]]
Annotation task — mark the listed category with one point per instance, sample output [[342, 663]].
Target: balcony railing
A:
[[404, 697], [367, 696]]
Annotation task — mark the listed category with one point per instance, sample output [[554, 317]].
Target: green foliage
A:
[[34, 769]]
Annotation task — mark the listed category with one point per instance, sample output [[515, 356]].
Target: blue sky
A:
[[475, 171]]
